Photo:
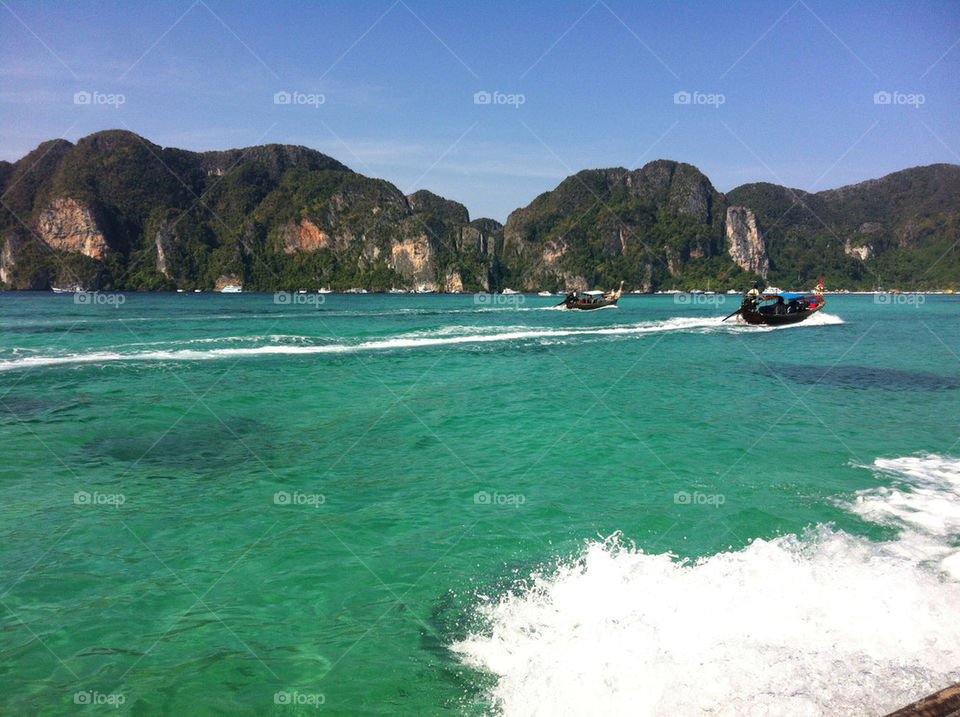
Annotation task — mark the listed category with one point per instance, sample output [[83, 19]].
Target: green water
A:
[[210, 503]]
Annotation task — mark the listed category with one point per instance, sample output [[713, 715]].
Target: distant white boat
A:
[[424, 289], [231, 289], [397, 291], [509, 291], [732, 291], [197, 291], [324, 291], [544, 293], [180, 291]]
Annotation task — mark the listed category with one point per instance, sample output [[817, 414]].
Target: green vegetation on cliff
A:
[[115, 211]]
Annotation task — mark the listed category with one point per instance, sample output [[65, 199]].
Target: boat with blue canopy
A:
[[779, 308]]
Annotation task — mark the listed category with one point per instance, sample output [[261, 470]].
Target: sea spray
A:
[[818, 623]]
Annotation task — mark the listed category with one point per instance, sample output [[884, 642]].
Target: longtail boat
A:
[[779, 308], [586, 300]]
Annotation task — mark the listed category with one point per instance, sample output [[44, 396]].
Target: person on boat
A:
[[780, 307], [751, 297]]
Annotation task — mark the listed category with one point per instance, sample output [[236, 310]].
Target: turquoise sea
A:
[[441, 505]]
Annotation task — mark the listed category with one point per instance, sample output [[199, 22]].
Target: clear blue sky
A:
[[598, 80]]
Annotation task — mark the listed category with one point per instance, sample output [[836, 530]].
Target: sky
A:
[[493, 103]]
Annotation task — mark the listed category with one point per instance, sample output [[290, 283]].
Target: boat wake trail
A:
[[305, 346], [820, 623]]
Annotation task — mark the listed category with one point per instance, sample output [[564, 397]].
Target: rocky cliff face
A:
[[413, 259], [453, 282], [307, 236], [745, 242], [8, 257], [163, 243], [69, 226], [862, 252]]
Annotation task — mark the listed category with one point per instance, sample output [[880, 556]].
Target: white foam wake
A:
[[924, 503], [405, 341], [818, 319], [823, 623]]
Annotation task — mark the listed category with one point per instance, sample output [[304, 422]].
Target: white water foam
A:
[[823, 623], [409, 341], [818, 319], [924, 503]]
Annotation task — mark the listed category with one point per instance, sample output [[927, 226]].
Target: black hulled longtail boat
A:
[[586, 300], [780, 308]]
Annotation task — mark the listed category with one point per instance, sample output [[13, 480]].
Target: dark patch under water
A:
[[24, 407], [211, 443], [74, 328], [863, 377]]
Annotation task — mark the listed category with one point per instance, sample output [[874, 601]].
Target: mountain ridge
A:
[[116, 211]]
